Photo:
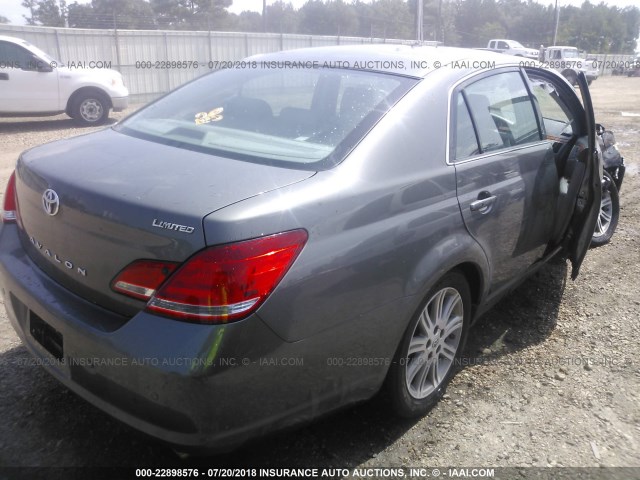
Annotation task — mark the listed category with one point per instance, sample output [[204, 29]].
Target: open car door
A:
[[587, 205], [571, 127]]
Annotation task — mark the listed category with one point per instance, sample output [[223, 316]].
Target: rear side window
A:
[[502, 111], [466, 142]]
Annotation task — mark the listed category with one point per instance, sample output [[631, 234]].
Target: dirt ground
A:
[[553, 376]]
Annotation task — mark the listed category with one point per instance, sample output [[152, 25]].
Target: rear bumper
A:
[[197, 387]]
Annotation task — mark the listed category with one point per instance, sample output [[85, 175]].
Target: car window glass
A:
[[466, 143], [556, 115], [358, 95], [502, 111], [13, 56], [293, 90], [268, 115]]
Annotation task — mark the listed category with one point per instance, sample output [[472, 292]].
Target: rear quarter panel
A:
[[383, 227]]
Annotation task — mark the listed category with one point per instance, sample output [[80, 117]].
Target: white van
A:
[[33, 83]]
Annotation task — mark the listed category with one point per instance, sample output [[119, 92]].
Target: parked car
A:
[[32, 83], [267, 244], [570, 62], [634, 70], [511, 47]]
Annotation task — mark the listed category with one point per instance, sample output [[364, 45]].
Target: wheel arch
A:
[[463, 254], [472, 273], [86, 90]]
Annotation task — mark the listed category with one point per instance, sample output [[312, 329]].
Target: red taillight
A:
[[216, 285], [228, 282], [9, 207], [141, 278]]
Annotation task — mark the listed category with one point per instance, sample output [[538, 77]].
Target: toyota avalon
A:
[[267, 244]]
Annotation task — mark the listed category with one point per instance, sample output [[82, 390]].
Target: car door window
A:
[[13, 56], [502, 112], [466, 142], [557, 118]]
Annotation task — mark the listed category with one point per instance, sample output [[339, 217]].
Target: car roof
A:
[[11, 39], [16, 40], [409, 60]]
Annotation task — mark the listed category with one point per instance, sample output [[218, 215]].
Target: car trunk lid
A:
[[91, 205]]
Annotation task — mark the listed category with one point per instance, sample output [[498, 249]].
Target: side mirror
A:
[[43, 67]]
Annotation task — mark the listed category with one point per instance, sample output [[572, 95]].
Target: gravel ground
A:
[[552, 379]]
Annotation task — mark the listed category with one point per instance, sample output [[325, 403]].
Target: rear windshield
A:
[[308, 118]]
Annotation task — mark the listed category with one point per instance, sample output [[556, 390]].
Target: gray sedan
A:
[[270, 243]]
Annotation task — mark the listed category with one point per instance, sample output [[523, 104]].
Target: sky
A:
[[13, 10]]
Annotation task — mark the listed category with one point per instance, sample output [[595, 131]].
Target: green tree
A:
[[4, 19], [83, 16], [247, 22], [51, 13], [631, 20], [449, 34], [393, 19], [173, 14], [477, 21], [30, 5], [282, 17], [125, 14], [532, 25], [334, 17], [386, 18]]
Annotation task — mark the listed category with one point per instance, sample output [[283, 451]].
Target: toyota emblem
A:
[[50, 202]]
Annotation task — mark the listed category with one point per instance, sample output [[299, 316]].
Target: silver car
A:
[[270, 243]]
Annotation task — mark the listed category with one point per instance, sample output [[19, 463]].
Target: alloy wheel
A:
[[434, 343]]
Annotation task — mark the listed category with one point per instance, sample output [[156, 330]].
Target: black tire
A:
[[90, 109], [609, 212], [413, 384]]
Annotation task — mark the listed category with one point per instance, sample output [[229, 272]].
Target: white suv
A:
[[33, 83]]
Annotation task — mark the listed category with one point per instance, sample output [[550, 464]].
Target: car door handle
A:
[[4, 76], [482, 205]]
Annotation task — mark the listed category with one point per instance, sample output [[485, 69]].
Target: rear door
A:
[[587, 206], [570, 129], [506, 176]]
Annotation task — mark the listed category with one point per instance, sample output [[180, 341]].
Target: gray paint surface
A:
[[384, 225]]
